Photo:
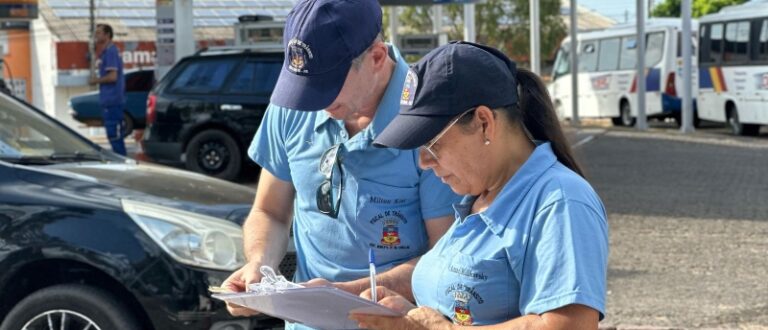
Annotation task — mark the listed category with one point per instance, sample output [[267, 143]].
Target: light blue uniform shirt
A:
[[385, 198], [542, 244]]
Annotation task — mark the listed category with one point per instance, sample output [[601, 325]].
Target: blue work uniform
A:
[[112, 98], [385, 196], [541, 245]]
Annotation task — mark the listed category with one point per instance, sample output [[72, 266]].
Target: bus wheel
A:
[[737, 128], [626, 115]]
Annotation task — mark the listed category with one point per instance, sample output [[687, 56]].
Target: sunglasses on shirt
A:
[[325, 192]]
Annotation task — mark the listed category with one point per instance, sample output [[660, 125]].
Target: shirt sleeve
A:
[[268, 145], [566, 259], [436, 197], [111, 59]]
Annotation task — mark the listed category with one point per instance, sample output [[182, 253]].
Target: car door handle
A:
[[231, 107]]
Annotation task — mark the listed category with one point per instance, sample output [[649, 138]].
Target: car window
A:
[[139, 81], [203, 76], [255, 77], [27, 133]]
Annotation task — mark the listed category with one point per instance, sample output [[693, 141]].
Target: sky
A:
[[618, 10]]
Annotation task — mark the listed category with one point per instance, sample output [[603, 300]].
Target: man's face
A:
[[100, 36], [358, 92]]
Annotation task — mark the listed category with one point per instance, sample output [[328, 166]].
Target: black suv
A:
[[205, 111]]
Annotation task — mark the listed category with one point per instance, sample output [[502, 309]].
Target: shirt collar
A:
[[504, 206], [389, 105]]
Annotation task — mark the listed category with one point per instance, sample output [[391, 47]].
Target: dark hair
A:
[[536, 113], [107, 29]]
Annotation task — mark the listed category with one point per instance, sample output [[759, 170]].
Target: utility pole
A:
[[469, 22], [91, 41], [687, 110], [642, 123], [574, 67], [535, 21]]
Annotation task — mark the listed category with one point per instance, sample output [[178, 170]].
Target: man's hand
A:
[[351, 287], [238, 282], [93, 80]]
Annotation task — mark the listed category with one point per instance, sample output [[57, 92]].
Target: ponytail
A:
[[538, 116]]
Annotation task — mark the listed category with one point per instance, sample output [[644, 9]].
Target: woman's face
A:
[[462, 158]]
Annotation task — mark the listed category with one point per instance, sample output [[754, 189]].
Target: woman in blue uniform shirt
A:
[[529, 247]]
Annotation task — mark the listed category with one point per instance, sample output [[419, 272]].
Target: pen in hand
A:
[[372, 269]]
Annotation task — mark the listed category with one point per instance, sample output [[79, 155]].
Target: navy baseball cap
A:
[[445, 83], [321, 39]]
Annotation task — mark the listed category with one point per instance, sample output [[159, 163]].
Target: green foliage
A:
[[502, 24], [671, 8]]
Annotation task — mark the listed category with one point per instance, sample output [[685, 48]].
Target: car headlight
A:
[[190, 238]]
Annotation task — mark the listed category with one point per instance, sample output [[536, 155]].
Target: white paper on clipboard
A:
[[317, 307]]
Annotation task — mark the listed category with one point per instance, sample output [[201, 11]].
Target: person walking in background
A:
[[529, 246], [111, 87], [320, 172]]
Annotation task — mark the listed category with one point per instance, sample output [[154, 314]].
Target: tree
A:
[[502, 24], [671, 8]]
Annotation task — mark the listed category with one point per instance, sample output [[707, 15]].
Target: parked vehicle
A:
[[92, 240], [85, 107], [607, 63], [204, 112], [733, 64]]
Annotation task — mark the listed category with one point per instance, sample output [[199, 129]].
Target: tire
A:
[[625, 115], [737, 128], [128, 124], [214, 152], [82, 305]]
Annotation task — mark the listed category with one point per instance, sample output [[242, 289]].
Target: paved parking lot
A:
[[689, 227]]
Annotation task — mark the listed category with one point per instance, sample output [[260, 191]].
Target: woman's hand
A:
[[415, 317], [419, 318]]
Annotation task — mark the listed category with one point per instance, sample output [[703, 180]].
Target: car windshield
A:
[[27, 136]]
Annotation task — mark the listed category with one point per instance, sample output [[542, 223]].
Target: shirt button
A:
[[343, 135]]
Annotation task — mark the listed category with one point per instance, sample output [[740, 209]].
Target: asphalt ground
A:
[[688, 217]]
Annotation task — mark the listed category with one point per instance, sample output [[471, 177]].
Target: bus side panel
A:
[[710, 100]]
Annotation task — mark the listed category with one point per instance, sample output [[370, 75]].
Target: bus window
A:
[[715, 42], [563, 61], [736, 42], [628, 55], [609, 55], [654, 49], [588, 57], [762, 47]]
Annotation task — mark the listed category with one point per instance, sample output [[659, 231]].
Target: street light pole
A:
[[469, 22], [91, 41]]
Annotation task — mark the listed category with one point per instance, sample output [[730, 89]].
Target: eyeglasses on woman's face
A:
[[429, 145], [325, 192]]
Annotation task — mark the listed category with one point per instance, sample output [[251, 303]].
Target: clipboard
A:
[[318, 307]]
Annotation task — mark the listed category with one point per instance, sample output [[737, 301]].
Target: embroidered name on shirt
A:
[[467, 272], [381, 200]]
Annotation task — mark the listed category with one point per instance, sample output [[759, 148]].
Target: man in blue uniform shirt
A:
[[111, 87], [320, 170]]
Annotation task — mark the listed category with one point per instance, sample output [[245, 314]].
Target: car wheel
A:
[[70, 306], [128, 124], [626, 115], [214, 152]]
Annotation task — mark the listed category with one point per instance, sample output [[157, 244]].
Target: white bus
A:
[[733, 67], [607, 67]]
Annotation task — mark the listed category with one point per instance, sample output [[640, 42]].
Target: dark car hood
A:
[[152, 184]]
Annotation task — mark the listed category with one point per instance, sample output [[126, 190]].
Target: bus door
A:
[[604, 81], [588, 96]]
